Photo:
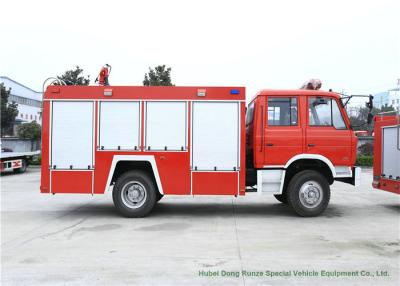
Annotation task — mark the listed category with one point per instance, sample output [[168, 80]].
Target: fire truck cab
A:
[[298, 143], [142, 143]]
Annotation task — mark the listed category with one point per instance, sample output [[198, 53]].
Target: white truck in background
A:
[[16, 162]]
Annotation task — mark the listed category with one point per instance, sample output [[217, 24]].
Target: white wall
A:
[[25, 113]]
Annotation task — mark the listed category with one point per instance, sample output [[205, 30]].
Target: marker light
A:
[[235, 91], [201, 92], [107, 92]]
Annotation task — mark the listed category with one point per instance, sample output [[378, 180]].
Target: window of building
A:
[[282, 111], [24, 101], [21, 115], [325, 112]]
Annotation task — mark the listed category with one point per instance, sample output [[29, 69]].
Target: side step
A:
[[270, 181], [251, 190]]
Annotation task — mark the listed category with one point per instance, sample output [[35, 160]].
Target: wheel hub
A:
[[133, 194], [310, 194]]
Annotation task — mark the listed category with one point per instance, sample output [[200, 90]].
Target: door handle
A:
[[311, 145], [269, 144]]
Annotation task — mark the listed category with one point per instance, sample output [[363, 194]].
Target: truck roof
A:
[[229, 93], [288, 92]]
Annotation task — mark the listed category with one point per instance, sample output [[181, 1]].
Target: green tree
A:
[[8, 111], [31, 131], [75, 77], [159, 76], [359, 122]]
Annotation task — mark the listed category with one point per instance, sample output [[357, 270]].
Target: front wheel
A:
[[309, 193], [282, 198], [134, 194]]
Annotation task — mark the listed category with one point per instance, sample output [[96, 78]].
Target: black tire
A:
[[314, 184], [282, 198], [143, 186], [23, 167], [159, 196]]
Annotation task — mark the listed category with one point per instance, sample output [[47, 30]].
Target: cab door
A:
[[283, 136], [327, 133]]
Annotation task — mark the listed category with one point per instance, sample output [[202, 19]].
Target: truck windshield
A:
[[250, 113], [325, 112]]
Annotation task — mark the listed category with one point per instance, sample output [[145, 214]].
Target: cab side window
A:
[[250, 113], [324, 111], [282, 111]]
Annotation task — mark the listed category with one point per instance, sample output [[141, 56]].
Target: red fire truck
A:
[[387, 152], [142, 143]]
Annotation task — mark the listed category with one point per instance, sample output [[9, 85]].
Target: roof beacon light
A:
[[312, 84], [235, 91]]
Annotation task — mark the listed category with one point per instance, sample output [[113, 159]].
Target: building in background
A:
[[390, 97], [29, 101], [394, 98]]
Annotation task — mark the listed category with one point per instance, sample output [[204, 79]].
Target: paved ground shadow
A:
[[393, 207], [204, 209]]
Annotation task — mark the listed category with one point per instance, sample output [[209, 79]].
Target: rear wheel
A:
[[159, 196], [308, 193], [134, 194]]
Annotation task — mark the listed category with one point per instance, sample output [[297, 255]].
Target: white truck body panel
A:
[[119, 125], [166, 125], [72, 135], [215, 136], [390, 151]]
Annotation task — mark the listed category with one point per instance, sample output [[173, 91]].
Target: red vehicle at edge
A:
[[146, 142], [387, 153]]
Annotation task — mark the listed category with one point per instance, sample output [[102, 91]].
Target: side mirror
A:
[[370, 103], [369, 118]]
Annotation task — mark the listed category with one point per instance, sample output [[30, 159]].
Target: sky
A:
[[352, 46]]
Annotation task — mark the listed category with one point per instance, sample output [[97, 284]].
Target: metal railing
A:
[[54, 79]]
